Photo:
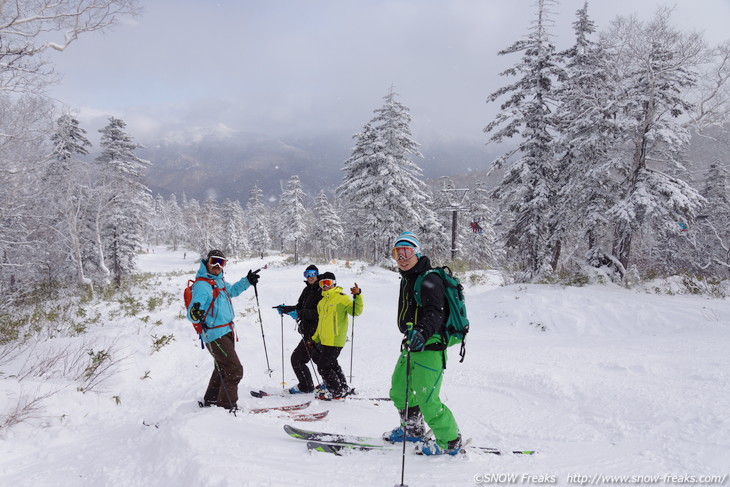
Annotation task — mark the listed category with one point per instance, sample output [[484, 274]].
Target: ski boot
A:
[[415, 429]]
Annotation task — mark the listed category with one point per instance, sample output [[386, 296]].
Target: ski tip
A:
[[323, 448], [310, 416]]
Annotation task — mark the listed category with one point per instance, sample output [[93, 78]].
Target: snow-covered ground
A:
[[601, 380]]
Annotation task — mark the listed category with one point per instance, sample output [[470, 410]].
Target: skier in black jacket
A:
[[305, 312], [418, 383]]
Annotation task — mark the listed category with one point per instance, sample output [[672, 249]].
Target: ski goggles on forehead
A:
[[403, 253], [219, 261], [327, 282], [308, 274]]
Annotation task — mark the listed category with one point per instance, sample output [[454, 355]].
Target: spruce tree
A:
[[528, 190], [329, 233], [292, 214], [257, 219], [588, 134], [382, 185], [126, 199]]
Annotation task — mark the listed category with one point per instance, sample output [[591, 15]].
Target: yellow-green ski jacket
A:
[[333, 309]]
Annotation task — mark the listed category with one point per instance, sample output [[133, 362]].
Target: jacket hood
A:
[[203, 272]]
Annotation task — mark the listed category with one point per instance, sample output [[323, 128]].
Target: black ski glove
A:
[[253, 276], [196, 313]]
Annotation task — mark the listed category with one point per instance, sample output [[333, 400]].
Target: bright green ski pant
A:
[[427, 371]]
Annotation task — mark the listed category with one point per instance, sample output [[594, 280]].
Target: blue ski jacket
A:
[[221, 313]]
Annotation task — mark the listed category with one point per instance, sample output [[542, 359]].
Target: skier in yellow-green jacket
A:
[[331, 334]]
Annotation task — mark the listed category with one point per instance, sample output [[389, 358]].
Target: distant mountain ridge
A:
[[228, 165]]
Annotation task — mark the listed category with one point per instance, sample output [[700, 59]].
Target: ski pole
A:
[[352, 338], [283, 382], [263, 337], [404, 417], [314, 364]]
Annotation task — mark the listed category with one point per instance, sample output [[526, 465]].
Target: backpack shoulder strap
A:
[[216, 292], [418, 284]]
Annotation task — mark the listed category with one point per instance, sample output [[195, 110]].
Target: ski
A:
[[339, 448], [309, 416], [287, 408], [302, 434], [260, 394], [290, 407], [340, 442], [291, 414]]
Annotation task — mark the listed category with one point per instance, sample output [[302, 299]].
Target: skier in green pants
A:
[[422, 327]]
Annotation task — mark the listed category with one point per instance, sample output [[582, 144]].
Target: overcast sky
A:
[[289, 66]]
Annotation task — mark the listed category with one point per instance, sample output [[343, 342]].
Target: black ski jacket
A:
[[429, 319], [307, 310]]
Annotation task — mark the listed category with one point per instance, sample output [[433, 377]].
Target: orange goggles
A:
[[327, 282], [403, 253]]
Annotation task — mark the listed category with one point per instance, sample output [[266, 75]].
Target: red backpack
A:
[[188, 296]]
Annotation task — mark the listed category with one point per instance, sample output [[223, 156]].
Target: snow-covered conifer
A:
[[234, 235], [329, 232], [257, 220], [293, 213], [127, 199], [528, 188], [382, 185]]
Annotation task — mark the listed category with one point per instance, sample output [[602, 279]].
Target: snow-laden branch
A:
[[27, 29]]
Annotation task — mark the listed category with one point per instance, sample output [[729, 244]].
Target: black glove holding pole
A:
[[253, 276]]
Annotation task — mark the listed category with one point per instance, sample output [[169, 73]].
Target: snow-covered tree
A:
[[212, 225], [234, 235], [127, 199], [329, 233], [25, 127], [175, 223], [712, 242], [655, 66], [28, 29], [70, 188], [292, 214], [257, 221], [588, 135], [528, 189], [193, 215], [382, 185]]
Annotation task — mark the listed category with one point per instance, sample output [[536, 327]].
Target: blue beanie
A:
[[408, 239]]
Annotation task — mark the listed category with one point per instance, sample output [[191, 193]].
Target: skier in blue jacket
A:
[[211, 306]]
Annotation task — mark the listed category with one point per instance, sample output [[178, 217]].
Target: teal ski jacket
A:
[[219, 319]]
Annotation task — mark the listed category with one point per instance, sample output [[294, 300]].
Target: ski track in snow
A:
[[599, 379]]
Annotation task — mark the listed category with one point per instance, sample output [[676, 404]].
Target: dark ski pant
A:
[[424, 384], [300, 358], [227, 366], [330, 369]]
